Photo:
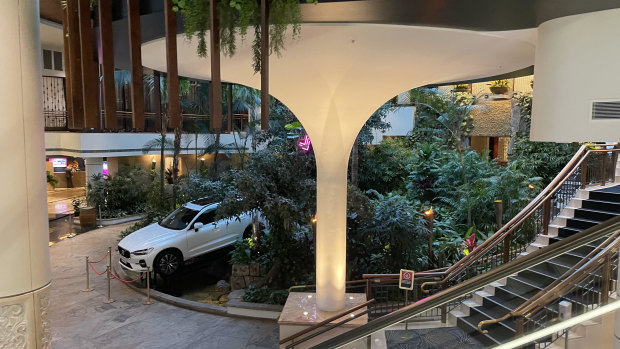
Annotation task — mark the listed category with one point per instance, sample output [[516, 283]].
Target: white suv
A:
[[188, 232]]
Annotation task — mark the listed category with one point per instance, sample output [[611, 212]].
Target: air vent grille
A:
[[606, 110]]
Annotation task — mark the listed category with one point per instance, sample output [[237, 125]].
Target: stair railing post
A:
[[603, 169], [606, 274], [519, 324], [614, 160], [584, 173], [546, 216]]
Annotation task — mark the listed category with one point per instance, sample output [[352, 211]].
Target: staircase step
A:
[[581, 223], [602, 205], [605, 196], [594, 214], [472, 330]]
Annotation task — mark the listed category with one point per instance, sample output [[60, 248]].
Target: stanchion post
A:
[[110, 258], [148, 287], [100, 224], [87, 289], [406, 335], [109, 300], [71, 233]]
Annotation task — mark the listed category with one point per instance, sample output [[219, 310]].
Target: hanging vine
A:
[[235, 17]]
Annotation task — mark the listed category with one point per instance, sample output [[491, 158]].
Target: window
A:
[[179, 219], [57, 60], [52, 60], [47, 59], [207, 217]]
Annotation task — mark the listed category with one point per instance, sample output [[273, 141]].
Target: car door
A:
[[200, 241]]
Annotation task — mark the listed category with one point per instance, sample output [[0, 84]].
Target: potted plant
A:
[[499, 87], [461, 88]]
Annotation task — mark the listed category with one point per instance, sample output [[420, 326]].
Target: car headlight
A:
[[142, 252]]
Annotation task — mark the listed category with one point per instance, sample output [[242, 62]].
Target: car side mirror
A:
[[198, 225]]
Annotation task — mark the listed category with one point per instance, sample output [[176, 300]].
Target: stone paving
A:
[[81, 319]]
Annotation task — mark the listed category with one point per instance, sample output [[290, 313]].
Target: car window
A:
[[206, 217], [179, 219]]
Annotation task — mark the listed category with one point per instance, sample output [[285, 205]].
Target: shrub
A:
[[265, 295], [123, 193], [51, 179]]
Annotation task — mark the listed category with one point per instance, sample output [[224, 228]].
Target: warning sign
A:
[[405, 281]]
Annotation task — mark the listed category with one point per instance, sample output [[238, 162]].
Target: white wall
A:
[[577, 61], [402, 122]]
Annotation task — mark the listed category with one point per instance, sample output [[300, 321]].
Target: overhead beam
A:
[[107, 63], [137, 76], [89, 68], [264, 66], [216, 81], [74, 57], [174, 104]]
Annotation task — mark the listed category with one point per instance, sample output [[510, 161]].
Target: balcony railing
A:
[[55, 120]]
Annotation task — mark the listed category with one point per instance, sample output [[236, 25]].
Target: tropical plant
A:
[[384, 167], [500, 83], [51, 179], [123, 193], [235, 17]]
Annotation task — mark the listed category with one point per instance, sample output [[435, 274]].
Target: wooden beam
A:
[[230, 107], [135, 55], [159, 125], [74, 57], [174, 103], [216, 81], [89, 67], [67, 66], [107, 53], [264, 66]]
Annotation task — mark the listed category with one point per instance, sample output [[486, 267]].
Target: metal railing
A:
[[55, 120], [513, 238], [468, 287]]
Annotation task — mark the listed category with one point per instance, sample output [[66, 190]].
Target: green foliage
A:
[[279, 184], [121, 194], [265, 295], [384, 167], [500, 83], [235, 16], [51, 179]]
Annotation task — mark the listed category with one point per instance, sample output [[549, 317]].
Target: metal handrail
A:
[[565, 245], [518, 219], [570, 278], [325, 322]]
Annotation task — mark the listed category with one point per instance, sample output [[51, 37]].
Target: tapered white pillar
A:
[[24, 251]]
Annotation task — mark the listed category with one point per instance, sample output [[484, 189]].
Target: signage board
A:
[[405, 280], [58, 162], [104, 170]]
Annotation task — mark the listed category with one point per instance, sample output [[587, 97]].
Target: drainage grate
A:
[[606, 110]]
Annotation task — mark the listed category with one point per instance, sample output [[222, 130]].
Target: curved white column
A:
[[576, 63], [333, 78], [24, 252]]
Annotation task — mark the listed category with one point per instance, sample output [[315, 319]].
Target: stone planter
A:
[[244, 275], [498, 90]]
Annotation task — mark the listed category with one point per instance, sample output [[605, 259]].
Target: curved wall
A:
[[577, 62]]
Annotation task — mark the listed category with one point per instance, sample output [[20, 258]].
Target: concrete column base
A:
[[301, 312], [24, 321]]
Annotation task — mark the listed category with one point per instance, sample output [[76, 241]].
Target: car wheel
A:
[[168, 262]]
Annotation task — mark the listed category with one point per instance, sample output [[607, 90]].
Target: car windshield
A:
[[179, 219]]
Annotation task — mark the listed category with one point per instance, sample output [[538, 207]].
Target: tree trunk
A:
[[175, 164], [216, 152]]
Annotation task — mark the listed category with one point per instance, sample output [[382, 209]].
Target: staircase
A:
[[589, 208]]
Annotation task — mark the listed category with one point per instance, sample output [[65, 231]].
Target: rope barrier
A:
[[107, 253], [127, 281], [95, 270]]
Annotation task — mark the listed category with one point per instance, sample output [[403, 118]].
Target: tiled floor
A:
[[81, 319], [59, 200]]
